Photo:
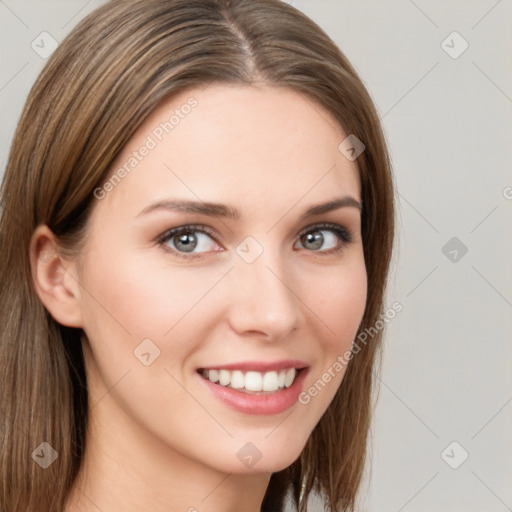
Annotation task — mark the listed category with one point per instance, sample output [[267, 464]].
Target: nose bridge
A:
[[263, 300]]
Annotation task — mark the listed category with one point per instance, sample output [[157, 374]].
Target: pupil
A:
[[187, 241]]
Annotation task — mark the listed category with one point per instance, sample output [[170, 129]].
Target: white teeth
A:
[[270, 381], [252, 381], [224, 377], [290, 376], [237, 380]]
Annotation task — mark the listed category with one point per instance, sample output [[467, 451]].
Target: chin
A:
[[264, 453]]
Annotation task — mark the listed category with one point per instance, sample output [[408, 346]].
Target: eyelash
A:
[[344, 234]]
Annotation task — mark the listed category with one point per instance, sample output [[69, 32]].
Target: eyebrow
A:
[[229, 212]]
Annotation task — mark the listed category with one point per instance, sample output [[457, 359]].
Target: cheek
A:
[[131, 299], [135, 307], [144, 297], [340, 303]]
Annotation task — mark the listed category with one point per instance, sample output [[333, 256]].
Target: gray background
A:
[[446, 375]]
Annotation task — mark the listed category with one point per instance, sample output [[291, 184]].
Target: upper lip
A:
[[260, 366]]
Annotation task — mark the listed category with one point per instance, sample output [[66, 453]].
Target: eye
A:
[[189, 240], [192, 240], [326, 238]]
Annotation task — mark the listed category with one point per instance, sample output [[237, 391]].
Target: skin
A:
[[158, 439]]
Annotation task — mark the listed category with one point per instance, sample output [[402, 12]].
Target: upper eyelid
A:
[[324, 225], [188, 227]]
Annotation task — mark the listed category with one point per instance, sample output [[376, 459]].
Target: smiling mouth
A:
[[252, 382]]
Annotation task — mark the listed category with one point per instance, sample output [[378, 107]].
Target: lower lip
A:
[[272, 403]]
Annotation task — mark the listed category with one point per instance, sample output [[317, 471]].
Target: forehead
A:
[[254, 146]]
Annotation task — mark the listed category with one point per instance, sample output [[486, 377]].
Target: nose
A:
[[262, 299]]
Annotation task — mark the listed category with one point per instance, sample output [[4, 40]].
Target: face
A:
[[224, 277]]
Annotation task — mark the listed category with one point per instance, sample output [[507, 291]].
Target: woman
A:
[[197, 223]]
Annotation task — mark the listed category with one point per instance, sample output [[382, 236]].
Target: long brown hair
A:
[[97, 88]]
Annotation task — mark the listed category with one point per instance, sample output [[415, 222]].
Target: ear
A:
[[55, 279]]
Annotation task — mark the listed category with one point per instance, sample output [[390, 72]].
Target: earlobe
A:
[[55, 279]]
